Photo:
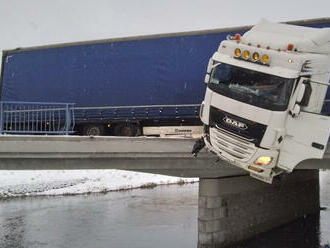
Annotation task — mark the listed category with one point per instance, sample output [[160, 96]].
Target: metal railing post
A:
[[67, 119], [73, 122], [1, 118]]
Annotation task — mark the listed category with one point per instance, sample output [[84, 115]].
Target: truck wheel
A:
[[126, 130], [93, 130]]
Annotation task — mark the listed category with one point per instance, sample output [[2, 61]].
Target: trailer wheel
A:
[[126, 130], [94, 130]]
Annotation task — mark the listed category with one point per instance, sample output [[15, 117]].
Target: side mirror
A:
[[295, 111], [207, 78], [301, 93]]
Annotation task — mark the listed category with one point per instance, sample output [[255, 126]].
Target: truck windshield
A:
[[252, 87]]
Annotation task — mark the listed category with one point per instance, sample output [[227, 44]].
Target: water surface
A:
[[163, 217]]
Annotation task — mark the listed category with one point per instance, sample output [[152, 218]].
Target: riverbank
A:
[[74, 182]]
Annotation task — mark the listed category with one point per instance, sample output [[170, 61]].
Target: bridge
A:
[[232, 206], [169, 156]]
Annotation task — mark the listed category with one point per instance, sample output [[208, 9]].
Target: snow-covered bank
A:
[[62, 182], [65, 182]]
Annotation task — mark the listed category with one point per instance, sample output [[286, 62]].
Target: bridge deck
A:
[[170, 156]]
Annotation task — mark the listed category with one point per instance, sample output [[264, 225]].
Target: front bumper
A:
[[241, 153]]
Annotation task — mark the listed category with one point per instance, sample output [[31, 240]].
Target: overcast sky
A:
[[25, 23]]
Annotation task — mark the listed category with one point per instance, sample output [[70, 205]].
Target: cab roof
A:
[[279, 36]]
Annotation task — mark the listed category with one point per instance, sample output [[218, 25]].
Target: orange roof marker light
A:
[[246, 54], [265, 59], [238, 52], [237, 37], [290, 47], [255, 56]]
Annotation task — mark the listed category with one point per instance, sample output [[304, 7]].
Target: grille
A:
[[252, 131], [238, 147]]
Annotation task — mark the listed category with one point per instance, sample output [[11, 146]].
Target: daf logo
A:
[[235, 123]]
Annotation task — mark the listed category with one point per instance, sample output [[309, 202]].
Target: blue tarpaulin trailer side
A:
[[147, 80]]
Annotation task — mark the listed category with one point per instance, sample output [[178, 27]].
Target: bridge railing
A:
[[36, 118]]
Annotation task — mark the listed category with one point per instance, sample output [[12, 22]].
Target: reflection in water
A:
[[309, 232], [12, 232], [303, 233], [163, 217]]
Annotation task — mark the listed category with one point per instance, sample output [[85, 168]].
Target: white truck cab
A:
[[262, 109]]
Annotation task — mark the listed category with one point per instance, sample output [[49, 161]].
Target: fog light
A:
[[264, 160], [250, 167]]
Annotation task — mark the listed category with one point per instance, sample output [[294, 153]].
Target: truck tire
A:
[[126, 129], [94, 130]]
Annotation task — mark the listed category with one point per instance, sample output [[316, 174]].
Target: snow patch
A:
[[69, 182]]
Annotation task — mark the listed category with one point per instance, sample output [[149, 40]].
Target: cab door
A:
[[307, 134], [307, 137]]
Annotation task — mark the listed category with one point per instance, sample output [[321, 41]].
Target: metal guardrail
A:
[[36, 118]]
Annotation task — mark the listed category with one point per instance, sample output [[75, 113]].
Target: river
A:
[[162, 217]]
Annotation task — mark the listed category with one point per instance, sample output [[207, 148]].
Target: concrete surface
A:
[[168, 156], [233, 209]]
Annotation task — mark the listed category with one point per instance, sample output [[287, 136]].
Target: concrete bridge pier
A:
[[237, 208]]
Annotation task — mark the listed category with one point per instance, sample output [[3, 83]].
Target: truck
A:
[[267, 102], [146, 85]]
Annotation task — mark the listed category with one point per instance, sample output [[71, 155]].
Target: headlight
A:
[[264, 160]]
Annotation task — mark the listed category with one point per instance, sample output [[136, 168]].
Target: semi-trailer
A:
[[266, 107], [150, 85]]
